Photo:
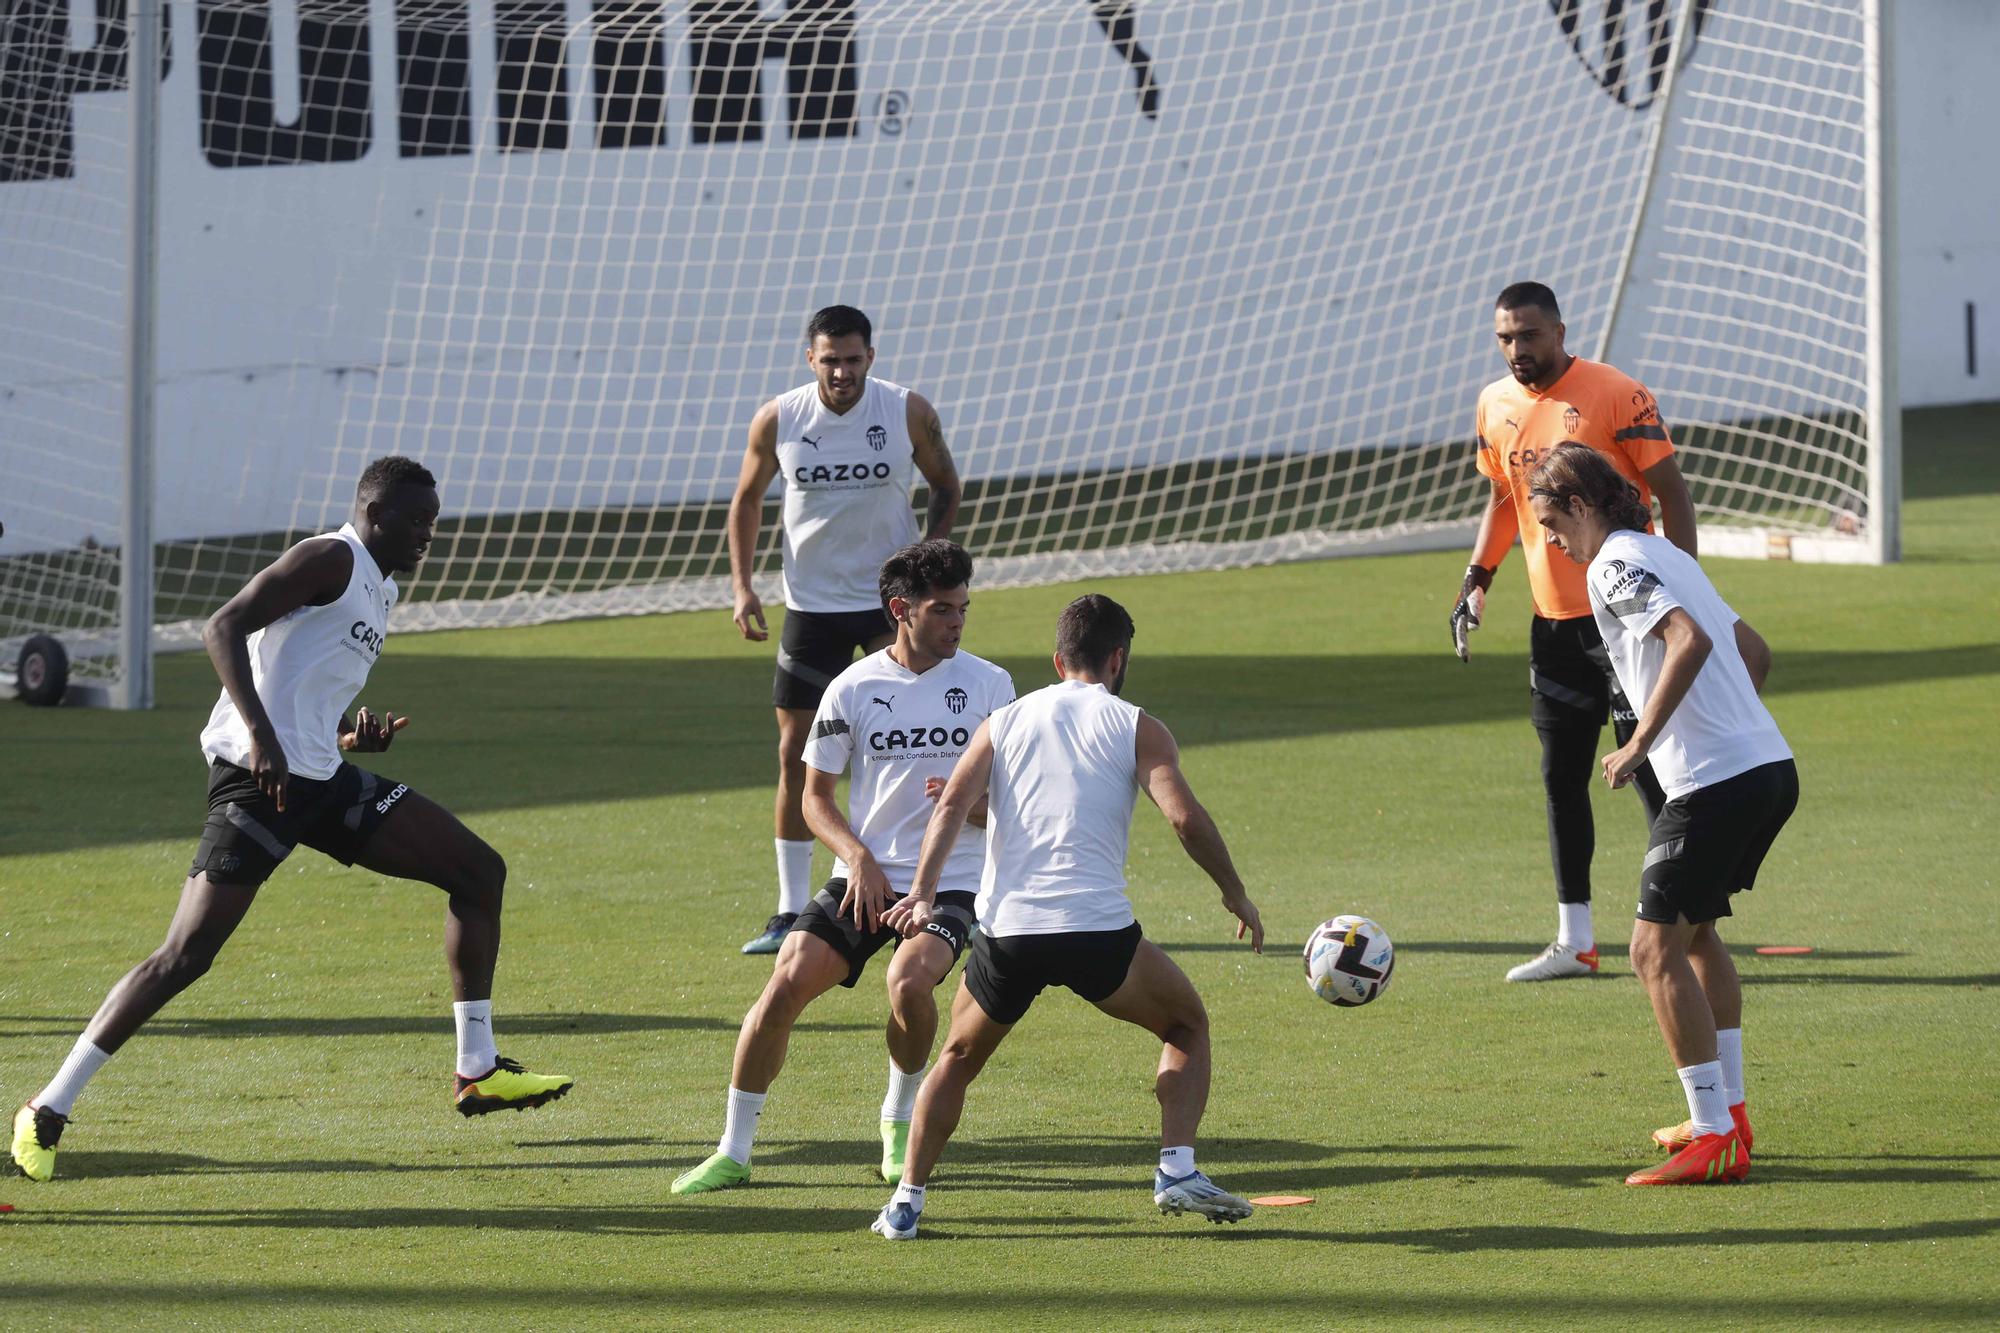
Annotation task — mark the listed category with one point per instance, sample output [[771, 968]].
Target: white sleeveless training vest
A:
[[307, 668], [847, 494], [1065, 775]]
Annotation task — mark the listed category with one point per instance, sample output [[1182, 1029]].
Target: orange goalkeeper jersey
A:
[[1592, 404]]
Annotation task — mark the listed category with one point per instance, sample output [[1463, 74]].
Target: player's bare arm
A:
[[1756, 654], [1676, 503], [867, 886], [1688, 646], [1160, 775], [965, 789], [313, 573], [934, 788], [934, 461], [1498, 526], [746, 513]]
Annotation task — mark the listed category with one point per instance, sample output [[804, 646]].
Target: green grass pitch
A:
[[279, 1146]]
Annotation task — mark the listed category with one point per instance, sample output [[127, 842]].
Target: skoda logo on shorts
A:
[[954, 699], [878, 439]]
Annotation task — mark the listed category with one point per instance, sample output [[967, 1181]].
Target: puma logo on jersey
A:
[[888, 703], [809, 439]]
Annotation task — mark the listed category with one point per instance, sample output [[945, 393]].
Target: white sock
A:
[[1707, 1107], [61, 1094], [910, 1194], [1729, 1051], [795, 872], [900, 1103], [1177, 1162], [476, 1052], [739, 1131], [1573, 926]]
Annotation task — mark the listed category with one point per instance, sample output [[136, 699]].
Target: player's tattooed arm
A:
[[933, 457], [313, 573], [746, 516]]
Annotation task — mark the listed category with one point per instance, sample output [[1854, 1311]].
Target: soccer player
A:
[[1061, 769], [845, 445], [1548, 397], [293, 648], [1694, 671], [901, 718]]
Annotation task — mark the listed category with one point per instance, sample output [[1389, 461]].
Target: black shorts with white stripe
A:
[[1709, 844], [816, 646], [1571, 678], [247, 835], [951, 921]]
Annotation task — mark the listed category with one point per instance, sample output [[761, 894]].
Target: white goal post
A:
[[1192, 284]]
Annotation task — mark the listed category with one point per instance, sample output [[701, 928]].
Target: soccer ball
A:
[[1348, 960]]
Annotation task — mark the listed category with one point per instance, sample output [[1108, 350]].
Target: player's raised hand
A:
[[371, 734], [749, 616], [867, 894], [908, 917], [268, 766]]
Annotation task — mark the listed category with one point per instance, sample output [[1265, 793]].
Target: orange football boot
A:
[[1712, 1159], [1676, 1137]]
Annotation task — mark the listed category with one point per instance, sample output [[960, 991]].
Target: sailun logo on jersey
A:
[[878, 439], [954, 699]]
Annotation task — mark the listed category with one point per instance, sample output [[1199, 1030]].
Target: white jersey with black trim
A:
[[1065, 776], [847, 494], [898, 728], [307, 667], [1721, 727]]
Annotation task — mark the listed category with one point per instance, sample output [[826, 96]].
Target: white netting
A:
[[1191, 284]]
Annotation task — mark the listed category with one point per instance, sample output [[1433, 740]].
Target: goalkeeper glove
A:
[[1471, 606]]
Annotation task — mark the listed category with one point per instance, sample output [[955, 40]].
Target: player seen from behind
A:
[[1062, 768]]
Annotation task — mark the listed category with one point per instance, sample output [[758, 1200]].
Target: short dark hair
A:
[[924, 567], [385, 474], [1520, 294], [1573, 469], [837, 321], [1090, 629]]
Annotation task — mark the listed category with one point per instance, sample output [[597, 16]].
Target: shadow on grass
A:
[[898, 1303], [404, 1025], [487, 735]]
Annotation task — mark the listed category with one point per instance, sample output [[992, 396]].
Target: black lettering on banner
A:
[[728, 42], [239, 122], [434, 78], [631, 59], [41, 78]]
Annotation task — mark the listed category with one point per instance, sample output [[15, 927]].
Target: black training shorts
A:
[[247, 835], [951, 921], [816, 646], [1708, 844], [1006, 974], [1570, 677]]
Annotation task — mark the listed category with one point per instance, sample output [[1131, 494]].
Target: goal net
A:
[[1191, 284]]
